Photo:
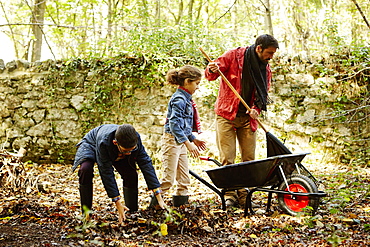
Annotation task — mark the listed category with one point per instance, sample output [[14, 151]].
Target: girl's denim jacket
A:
[[179, 120]]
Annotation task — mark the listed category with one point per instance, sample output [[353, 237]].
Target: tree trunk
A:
[[110, 22], [234, 19], [38, 17], [181, 9], [145, 14], [199, 10], [190, 13], [268, 21], [158, 13]]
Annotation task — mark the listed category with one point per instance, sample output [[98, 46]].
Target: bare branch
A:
[[125, 28], [11, 30], [225, 12], [362, 14], [338, 114], [38, 24], [358, 72]]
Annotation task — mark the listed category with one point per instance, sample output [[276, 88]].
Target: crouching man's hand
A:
[[158, 194], [121, 211]]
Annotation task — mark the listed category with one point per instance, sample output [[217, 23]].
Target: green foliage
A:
[[332, 34], [178, 42], [367, 227], [171, 217], [345, 192], [92, 28], [335, 240]]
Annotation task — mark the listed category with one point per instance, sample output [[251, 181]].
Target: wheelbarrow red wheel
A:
[[293, 205]]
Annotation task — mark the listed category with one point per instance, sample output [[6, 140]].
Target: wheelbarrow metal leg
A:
[[218, 192], [248, 203], [222, 196], [269, 199]]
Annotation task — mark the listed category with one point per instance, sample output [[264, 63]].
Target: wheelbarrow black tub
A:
[[254, 173]]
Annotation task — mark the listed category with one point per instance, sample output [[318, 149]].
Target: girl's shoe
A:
[[177, 201]]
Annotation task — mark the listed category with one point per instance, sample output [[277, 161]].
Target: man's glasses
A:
[[126, 150]]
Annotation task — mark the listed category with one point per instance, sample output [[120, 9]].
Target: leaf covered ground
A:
[[40, 207]]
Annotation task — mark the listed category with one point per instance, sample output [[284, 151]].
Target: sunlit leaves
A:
[[201, 221]]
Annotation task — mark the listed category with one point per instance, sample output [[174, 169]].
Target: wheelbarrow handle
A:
[[204, 158], [210, 159]]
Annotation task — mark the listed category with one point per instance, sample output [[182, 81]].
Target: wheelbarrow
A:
[[283, 175]]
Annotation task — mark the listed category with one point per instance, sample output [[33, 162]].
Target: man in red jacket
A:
[[247, 69]]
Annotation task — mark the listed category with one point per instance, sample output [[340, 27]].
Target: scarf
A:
[[254, 71], [196, 119]]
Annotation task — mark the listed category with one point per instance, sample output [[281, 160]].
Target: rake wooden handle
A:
[[231, 87]]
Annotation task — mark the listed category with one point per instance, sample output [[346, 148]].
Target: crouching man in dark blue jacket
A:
[[115, 146]]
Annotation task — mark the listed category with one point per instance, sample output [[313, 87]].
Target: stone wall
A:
[[48, 119], [318, 115]]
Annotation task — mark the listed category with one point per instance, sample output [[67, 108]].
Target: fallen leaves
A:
[[51, 212], [13, 173]]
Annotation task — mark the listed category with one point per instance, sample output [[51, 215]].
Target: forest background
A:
[[63, 29]]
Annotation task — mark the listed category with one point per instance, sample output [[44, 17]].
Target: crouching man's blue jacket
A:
[[97, 145]]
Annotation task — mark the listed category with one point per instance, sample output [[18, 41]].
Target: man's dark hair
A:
[[126, 136], [266, 41]]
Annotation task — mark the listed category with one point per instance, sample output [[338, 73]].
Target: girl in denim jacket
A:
[[182, 120]]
